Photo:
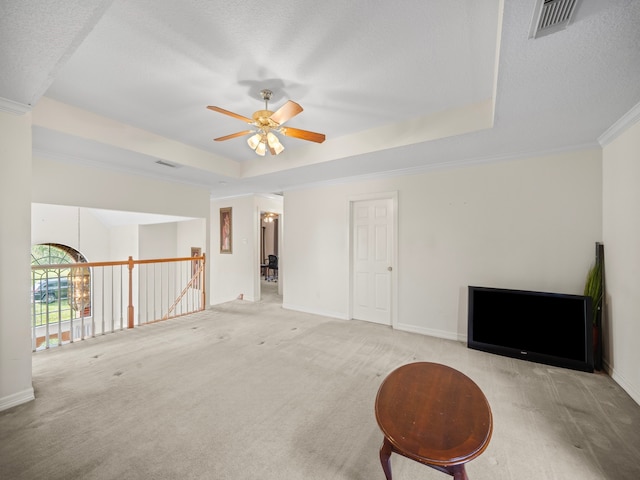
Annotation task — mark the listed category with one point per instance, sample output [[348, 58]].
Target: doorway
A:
[[373, 257], [269, 275]]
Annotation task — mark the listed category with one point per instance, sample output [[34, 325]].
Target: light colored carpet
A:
[[252, 391]]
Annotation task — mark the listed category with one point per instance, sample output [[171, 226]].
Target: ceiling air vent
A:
[[551, 16]]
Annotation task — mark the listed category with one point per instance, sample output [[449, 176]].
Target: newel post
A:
[[130, 308]]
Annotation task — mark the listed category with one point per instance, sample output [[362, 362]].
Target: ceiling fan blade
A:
[[303, 134], [231, 114], [233, 135], [286, 112]]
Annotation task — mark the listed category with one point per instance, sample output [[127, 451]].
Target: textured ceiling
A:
[[395, 86]]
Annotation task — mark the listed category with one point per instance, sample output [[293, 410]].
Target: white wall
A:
[[232, 274], [99, 242], [529, 224], [191, 233], [158, 241], [621, 232], [25, 179], [68, 226], [238, 273], [124, 241], [315, 236], [15, 233], [62, 183]]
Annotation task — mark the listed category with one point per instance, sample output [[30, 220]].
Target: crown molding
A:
[[628, 119], [15, 108]]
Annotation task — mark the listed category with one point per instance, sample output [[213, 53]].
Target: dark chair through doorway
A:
[[272, 269]]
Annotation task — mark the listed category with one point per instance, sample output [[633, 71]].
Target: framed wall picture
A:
[[196, 252], [226, 234]]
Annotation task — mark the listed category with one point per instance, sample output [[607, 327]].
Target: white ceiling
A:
[[395, 86]]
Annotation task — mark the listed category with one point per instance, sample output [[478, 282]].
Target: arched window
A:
[[59, 291], [55, 253]]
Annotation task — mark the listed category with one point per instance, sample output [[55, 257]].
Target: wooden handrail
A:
[[56, 266], [130, 263]]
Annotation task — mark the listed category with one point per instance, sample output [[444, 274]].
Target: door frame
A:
[[351, 200], [257, 277]]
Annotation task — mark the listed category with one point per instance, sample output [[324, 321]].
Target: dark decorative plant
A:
[[593, 288]]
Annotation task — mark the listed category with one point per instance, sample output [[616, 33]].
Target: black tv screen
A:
[[550, 328]]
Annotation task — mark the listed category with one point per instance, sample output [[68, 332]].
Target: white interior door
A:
[[372, 236]]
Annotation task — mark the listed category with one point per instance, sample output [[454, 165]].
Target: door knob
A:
[[389, 269]]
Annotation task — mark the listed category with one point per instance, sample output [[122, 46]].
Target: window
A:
[[59, 293]]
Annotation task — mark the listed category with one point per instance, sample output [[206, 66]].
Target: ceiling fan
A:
[[266, 123]]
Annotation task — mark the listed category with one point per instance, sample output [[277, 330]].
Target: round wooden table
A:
[[434, 415]]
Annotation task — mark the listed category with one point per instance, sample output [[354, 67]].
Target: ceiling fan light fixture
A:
[[274, 143], [272, 139], [254, 141], [264, 122], [278, 148]]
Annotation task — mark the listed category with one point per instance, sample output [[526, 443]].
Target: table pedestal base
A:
[[458, 472]]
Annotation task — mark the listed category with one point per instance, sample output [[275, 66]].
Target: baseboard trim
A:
[[624, 384], [16, 399], [219, 301], [430, 332], [313, 311]]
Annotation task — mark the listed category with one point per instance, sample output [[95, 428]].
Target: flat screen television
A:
[[550, 328]]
